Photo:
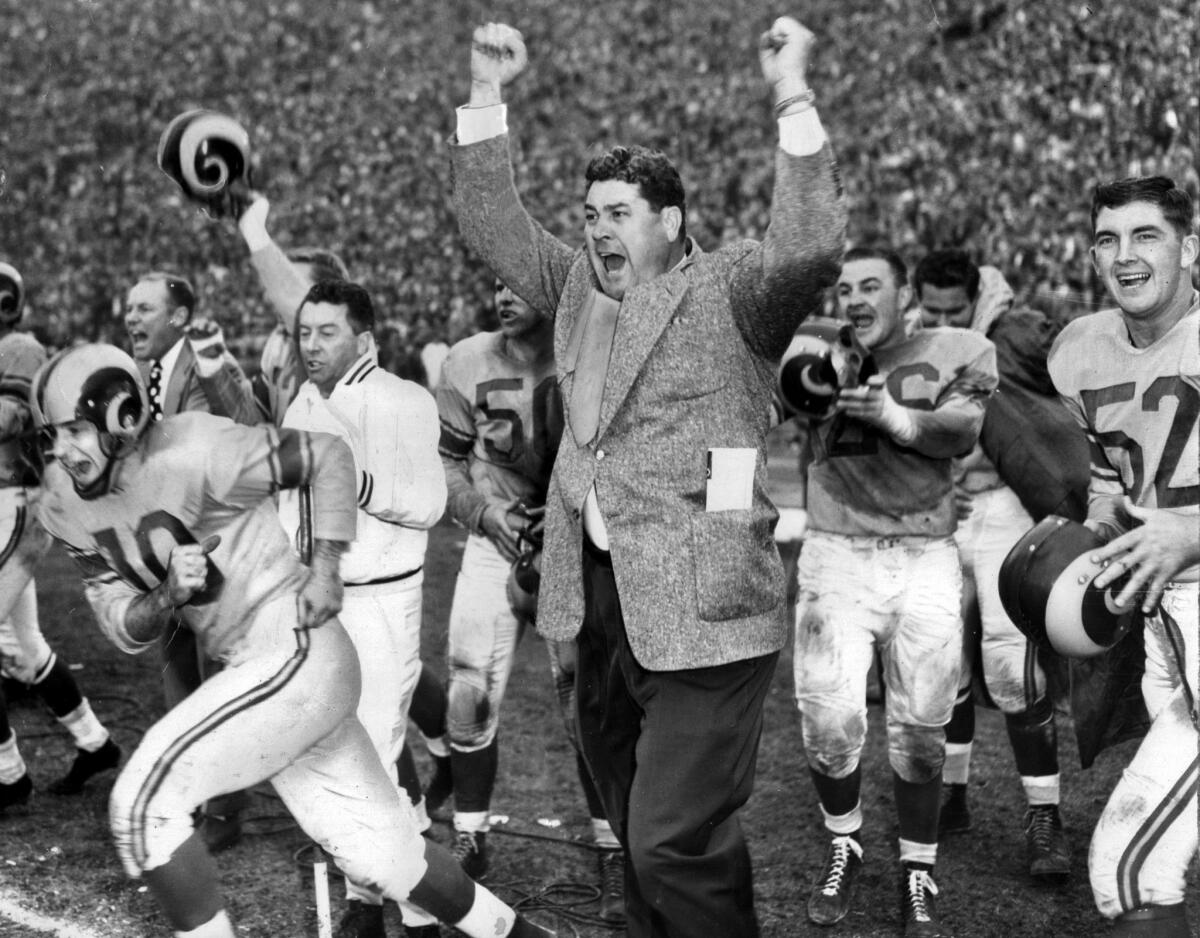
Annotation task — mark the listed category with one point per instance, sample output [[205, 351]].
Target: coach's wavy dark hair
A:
[[945, 270], [651, 171], [879, 252], [1175, 203], [360, 311]]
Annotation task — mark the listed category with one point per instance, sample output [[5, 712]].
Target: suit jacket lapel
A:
[[645, 312], [175, 398]]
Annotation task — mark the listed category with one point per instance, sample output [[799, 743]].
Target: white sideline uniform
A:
[[1140, 408], [391, 427]]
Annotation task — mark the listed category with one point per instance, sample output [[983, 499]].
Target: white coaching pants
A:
[[900, 595], [281, 709], [1147, 835], [1014, 677]]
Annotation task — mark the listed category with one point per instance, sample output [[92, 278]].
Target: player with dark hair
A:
[[177, 517], [997, 502], [879, 573], [24, 654], [391, 427], [1131, 378], [658, 551], [501, 418]]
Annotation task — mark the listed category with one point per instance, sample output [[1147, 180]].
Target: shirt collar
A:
[[170, 357]]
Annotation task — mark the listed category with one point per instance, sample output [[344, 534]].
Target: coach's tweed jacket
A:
[[693, 367], [226, 394]]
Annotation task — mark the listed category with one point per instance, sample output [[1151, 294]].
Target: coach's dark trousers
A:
[[673, 757]]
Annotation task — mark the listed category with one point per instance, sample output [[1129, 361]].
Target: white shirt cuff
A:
[[481, 123], [801, 134]]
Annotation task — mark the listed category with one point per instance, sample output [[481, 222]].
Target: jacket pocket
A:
[[738, 570]]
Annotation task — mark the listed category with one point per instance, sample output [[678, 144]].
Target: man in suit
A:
[[666, 356], [186, 367]]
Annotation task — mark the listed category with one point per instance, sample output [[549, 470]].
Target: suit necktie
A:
[[154, 390], [591, 366]]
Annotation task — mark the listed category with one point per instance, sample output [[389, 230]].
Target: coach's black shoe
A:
[[440, 787], [470, 850], [220, 832], [1046, 844], [16, 793], [361, 921], [86, 765], [612, 886], [917, 907], [955, 816], [1154, 921], [829, 901]]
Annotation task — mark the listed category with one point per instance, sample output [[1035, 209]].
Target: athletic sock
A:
[[956, 770], [602, 834], [1040, 789], [84, 728], [438, 746], [218, 926], [488, 916], [845, 825], [12, 766], [913, 852], [474, 821]]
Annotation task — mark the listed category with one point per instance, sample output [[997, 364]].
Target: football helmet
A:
[[96, 383], [204, 152], [12, 295], [1046, 589], [823, 357]]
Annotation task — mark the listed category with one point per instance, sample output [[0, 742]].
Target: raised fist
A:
[[208, 343], [497, 57], [783, 52]]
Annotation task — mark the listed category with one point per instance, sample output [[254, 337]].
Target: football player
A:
[[953, 291], [177, 515], [1131, 377], [879, 570], [24, 654], [501, 417]]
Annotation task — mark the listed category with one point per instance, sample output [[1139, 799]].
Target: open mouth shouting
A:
[[139, 340], [1132, 281]]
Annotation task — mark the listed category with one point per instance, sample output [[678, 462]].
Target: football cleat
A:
[[15, 793], [423, 931], [523, 928], [829, 900], [1046, 844], [86, 765], [470, 850], [612, 886], [918, 909], [955, 816]]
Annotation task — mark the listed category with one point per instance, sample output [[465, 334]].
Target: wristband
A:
[[805, 98]]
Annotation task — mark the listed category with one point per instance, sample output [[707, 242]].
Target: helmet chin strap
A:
[[110, 446]]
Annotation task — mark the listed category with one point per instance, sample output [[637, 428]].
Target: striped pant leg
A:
[[242, 726], [1147, 835]]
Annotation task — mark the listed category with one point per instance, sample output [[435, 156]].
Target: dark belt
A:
[[390, 579]]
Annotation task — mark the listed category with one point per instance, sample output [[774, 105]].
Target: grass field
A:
[[56, 858]]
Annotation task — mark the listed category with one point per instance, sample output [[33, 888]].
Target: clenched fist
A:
[[783, 52], [497, 57]]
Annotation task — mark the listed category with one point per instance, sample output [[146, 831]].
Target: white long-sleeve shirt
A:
[[391, 427]]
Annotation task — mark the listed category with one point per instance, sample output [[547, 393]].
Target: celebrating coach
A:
[[666, 358]]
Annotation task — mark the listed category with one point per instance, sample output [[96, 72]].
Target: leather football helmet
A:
[[823, 357], [1046, 588], [97, 383], [204, 151], [12, 295]]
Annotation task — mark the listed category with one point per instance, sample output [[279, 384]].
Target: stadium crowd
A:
[[271, 366]]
